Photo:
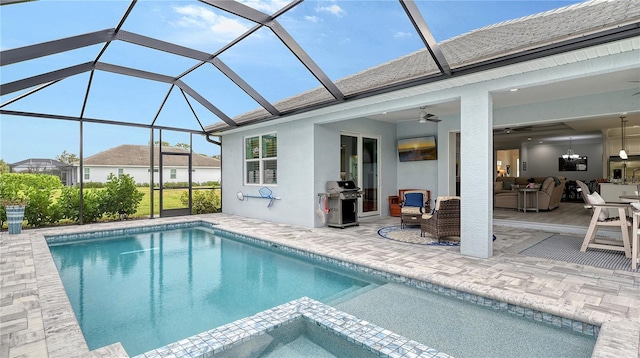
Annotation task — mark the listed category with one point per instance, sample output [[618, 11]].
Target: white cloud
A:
[[333, 9], [402, 35], [203, 24], [313, 19]]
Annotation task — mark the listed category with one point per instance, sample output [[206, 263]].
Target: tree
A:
[[67, 157], [4, 167], [183, 146], [164, 144]]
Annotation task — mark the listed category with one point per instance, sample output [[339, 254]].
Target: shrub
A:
[[121, 197], [178, 184], [204, 201], [69, 203], [37, 190]]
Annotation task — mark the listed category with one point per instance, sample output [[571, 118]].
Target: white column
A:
[[476, 183]]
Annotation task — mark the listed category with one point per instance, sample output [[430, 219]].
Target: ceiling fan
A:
[[424, 116], [512, 130]]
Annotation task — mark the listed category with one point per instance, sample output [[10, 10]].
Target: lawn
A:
[[171, 200]]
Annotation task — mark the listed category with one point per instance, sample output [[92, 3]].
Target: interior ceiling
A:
[[559, 129]]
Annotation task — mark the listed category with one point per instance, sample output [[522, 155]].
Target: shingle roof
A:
[[138, 155], [41, 163], [489, 42]]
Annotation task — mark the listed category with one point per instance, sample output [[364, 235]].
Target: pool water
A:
[[150, 289]]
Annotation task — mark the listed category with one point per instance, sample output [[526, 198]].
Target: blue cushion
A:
[[413, 199]]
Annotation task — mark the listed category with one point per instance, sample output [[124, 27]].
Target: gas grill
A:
[[342, 203]]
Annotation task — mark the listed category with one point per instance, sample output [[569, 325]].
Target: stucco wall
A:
[[295, 176], [308, 157], [99, 174]]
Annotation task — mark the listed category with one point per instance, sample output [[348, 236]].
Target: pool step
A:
[[349, 294]]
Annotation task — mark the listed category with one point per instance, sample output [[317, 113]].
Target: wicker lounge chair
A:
[[445, 219]]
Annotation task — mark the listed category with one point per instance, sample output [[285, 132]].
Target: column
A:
[[476, 183]]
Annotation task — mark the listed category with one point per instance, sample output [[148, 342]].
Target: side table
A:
[[394, 205], [523, 192]]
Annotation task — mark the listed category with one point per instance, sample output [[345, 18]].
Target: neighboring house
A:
[[65, 171], [134, 160], [565, 81]]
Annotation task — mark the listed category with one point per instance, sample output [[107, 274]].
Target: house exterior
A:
[[64, 171], [351, 140], [134, 160]]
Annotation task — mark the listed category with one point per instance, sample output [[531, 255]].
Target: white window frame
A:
[[260, 160], [87, 173], [120, 172], [173, 173]]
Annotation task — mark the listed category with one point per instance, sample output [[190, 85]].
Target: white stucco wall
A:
[[295, 176], [99, 174]]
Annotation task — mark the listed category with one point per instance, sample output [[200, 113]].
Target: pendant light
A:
[[570, 154], [623, 153]]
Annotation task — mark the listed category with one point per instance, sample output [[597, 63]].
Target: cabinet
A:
[[394, 205]]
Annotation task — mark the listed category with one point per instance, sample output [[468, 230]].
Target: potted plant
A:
[[14, 208]]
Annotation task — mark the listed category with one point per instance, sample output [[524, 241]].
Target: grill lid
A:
[[341, 185]]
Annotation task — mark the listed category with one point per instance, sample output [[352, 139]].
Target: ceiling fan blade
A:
[[431, 117]]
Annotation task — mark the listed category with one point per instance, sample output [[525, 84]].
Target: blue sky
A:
[[342, 37]]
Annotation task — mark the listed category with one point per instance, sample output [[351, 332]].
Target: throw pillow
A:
[[413, 199], [498, 185], [595, 198]]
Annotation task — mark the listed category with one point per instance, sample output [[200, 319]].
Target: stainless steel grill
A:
[[343, 203]]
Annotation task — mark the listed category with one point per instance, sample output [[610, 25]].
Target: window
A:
[[173, 173], [87, 174], [261, 159], [120, 172]]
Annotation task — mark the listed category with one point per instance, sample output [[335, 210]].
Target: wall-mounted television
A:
[[422, 148]]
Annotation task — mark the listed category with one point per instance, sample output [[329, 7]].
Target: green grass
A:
[[171, 200]]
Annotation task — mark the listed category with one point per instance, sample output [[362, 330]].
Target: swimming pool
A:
[[128, 288], [243, 333]]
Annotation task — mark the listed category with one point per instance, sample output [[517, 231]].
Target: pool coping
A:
[[357, 331], [609, 335]]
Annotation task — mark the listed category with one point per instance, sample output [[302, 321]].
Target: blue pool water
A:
[[150, 289]]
